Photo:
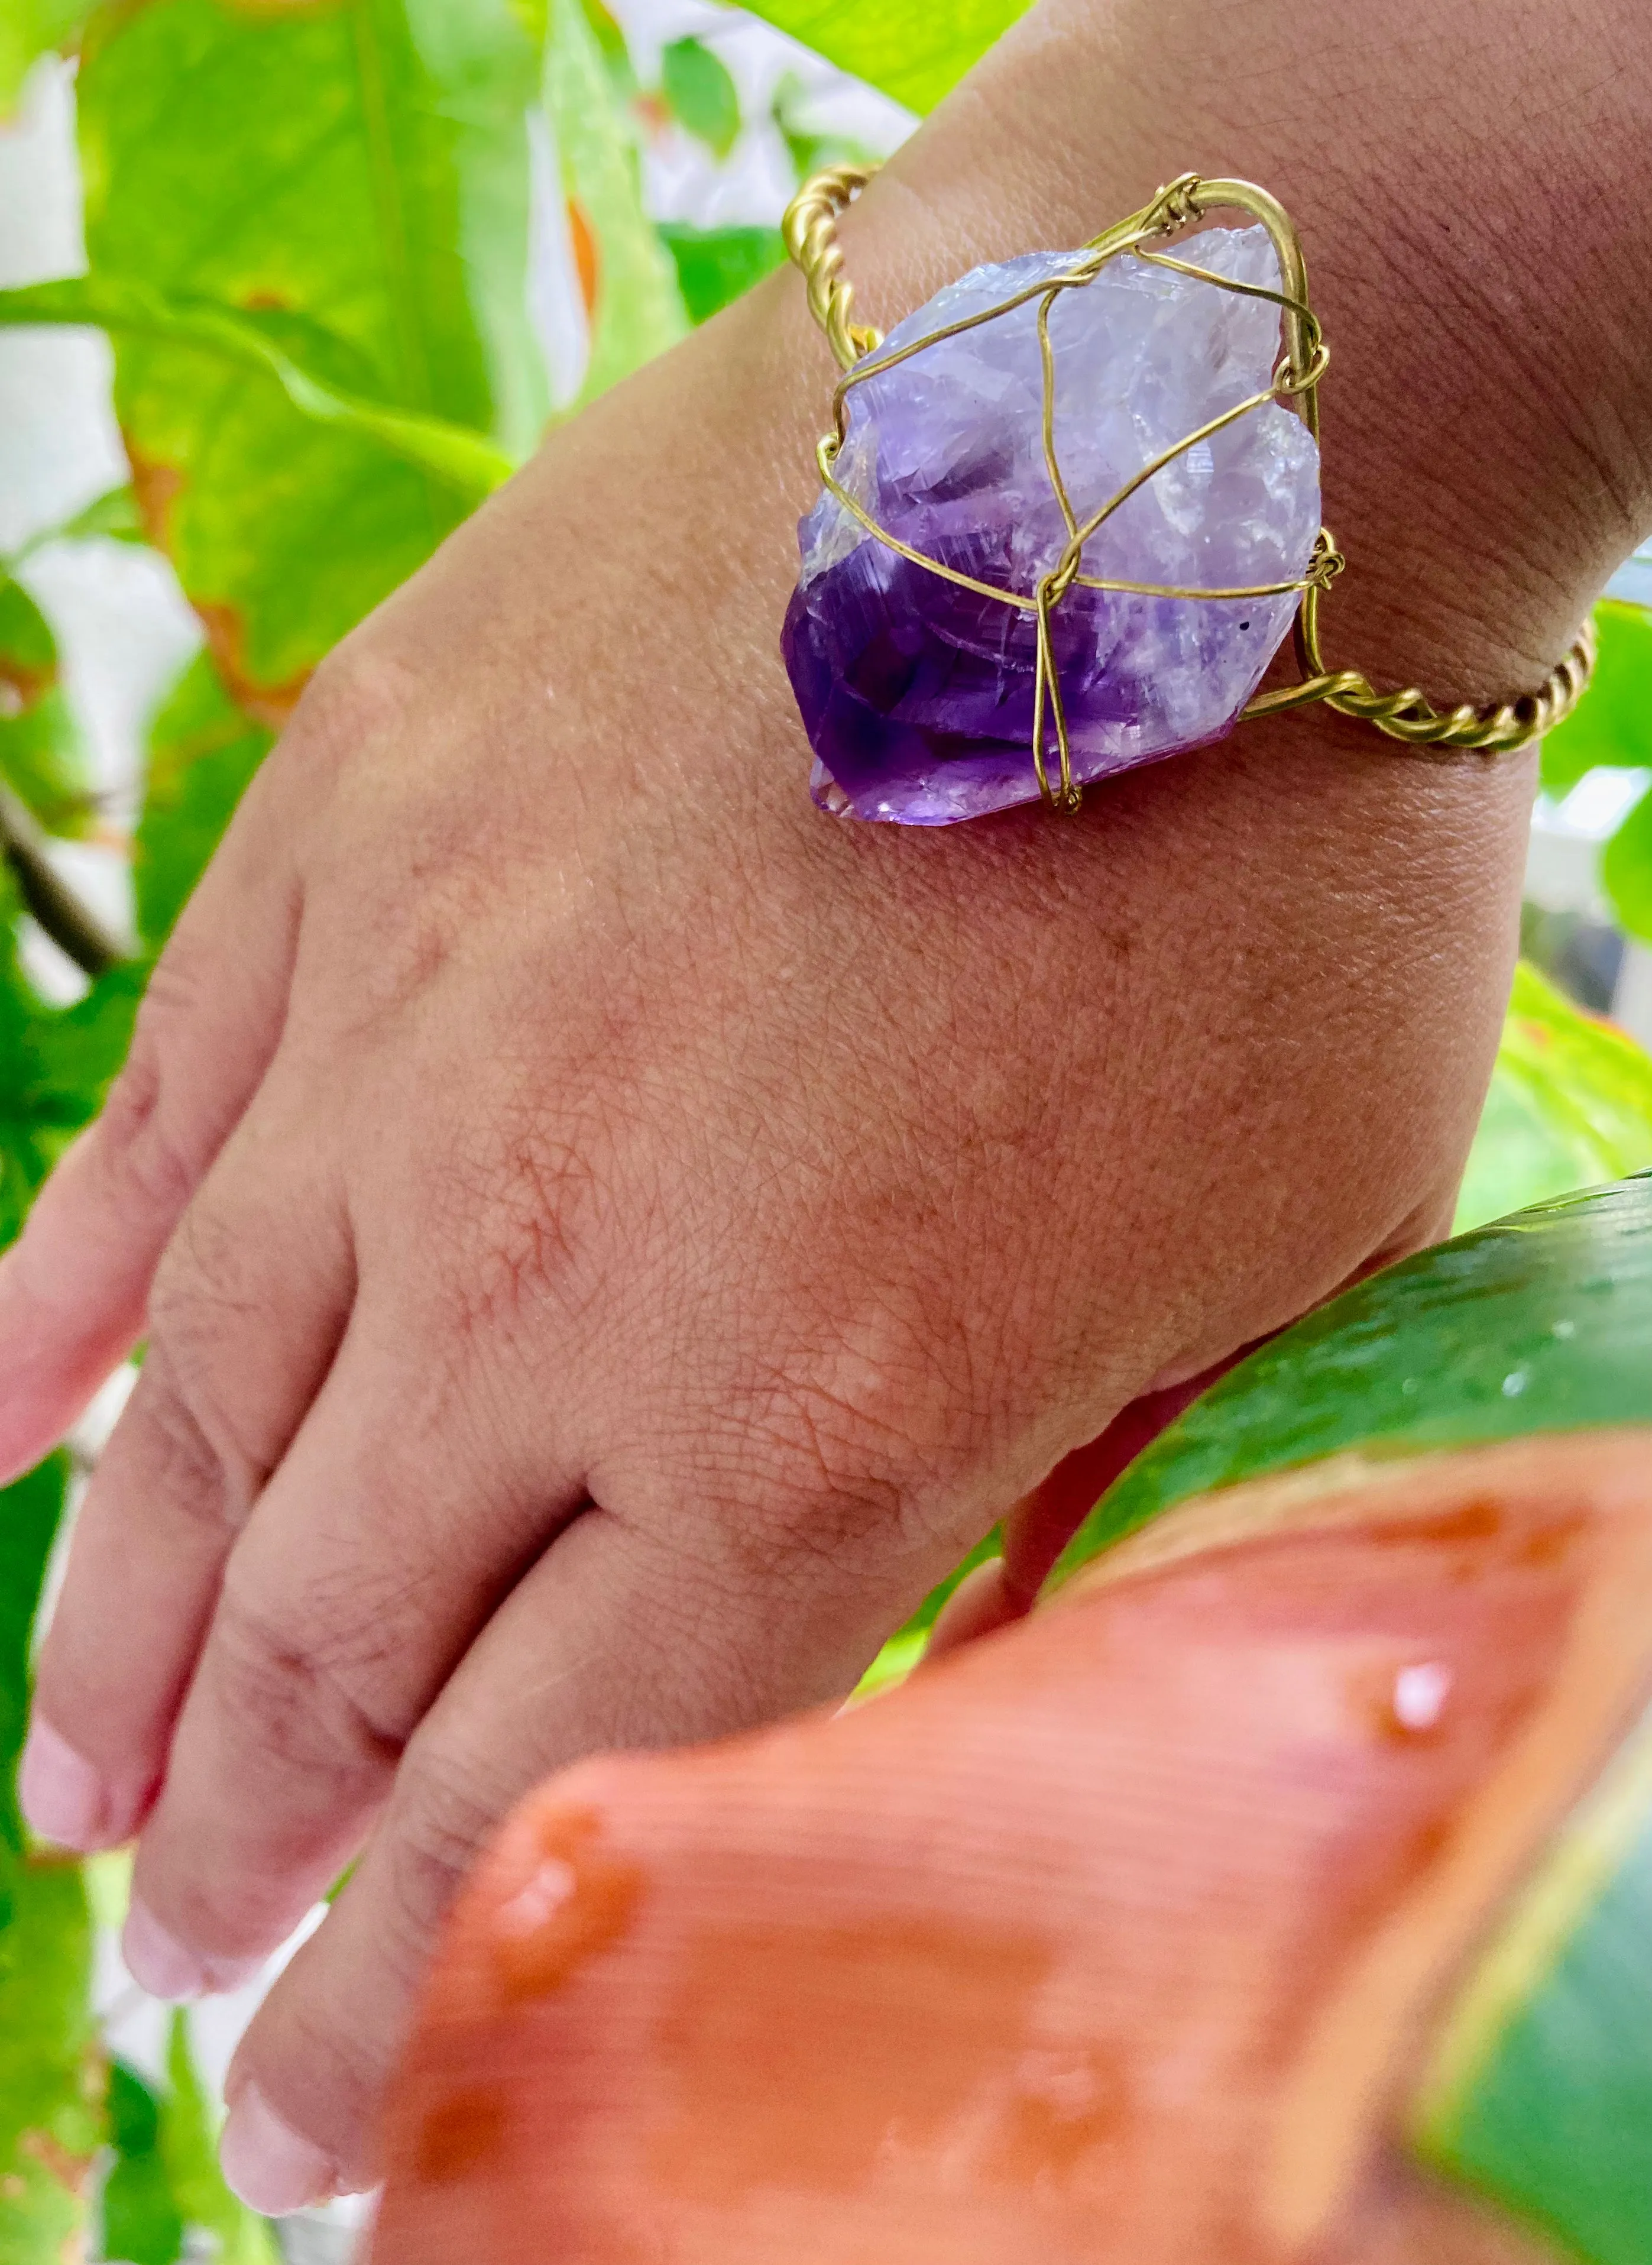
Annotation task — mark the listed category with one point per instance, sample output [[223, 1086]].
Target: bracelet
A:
[[961, 599]]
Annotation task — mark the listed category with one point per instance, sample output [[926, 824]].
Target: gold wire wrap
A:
[[810, 228]]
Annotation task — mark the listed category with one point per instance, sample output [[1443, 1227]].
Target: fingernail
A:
[[272, 2167], [64, 1798], [156, 1960], [167, 1967]]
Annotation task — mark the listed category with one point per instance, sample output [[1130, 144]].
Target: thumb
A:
[[1119, 1938]]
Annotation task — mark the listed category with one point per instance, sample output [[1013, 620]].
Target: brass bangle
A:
[[810, 228]]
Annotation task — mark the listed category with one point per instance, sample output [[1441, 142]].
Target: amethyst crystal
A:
[[918, 696]]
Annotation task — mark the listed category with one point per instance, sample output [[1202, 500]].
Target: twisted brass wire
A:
[[810, 228]]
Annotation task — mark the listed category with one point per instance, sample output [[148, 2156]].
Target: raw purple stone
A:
[[917, 696]]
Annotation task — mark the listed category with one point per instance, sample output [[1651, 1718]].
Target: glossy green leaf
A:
[[141, 2222], [635, 308], [909, 48], [702, 97], [202, 754], [1542, 1322], [30, 29], [50, 2078], [1613, 722], [1571, 1106], [41, 758], [337, 196], [715, 264], [465, 461]]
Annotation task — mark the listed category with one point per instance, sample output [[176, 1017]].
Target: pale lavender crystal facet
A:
[[918, 696]]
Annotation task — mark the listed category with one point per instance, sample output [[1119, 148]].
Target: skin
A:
[[607, 1237], [1116, 1939]]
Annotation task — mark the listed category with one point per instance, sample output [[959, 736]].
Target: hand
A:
[[608, 1238]]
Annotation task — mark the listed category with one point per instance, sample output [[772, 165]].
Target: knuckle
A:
[[180, 1464], [359, 695], [145, 1145], [292, 1701], [843, 1456], [842, 1477], [439, 1822], [201, 1306]]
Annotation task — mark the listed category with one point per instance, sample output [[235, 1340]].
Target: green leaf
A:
[[1538, 2087], [909, 48], [286, 177], [1542, 1322], [1626, 870], [1612, 723], [54, 1066], [616, 56], [47, 2061], [811, 150], [30, 1511], [703, 96], [715, 264], [41, 757], [465, 461], [72, 1052], [113, 516], [635, 307], [202, 754], [39, 1108], [141, 2222], [189, 2148], [28, 30], [50, 2076], [1570, 1106], [906, 1648]]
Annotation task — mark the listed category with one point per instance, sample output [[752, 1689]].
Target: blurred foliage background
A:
[[351, 257]]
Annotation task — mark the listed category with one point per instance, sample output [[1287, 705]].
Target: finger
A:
[[72, 1289], [611, 1640], [247, 1308], [1107, 1942], [388, 1533], [982, 1602], [1038, 1527], [1042, 1524]]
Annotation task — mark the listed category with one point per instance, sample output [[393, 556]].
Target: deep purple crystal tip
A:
[[917, 694]]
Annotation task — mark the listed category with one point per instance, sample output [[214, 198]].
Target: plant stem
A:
[[72, 926]]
